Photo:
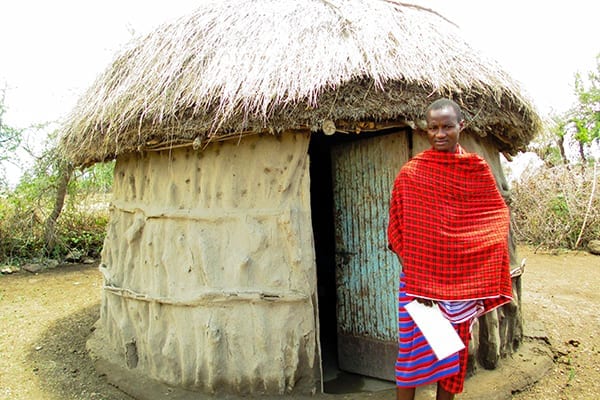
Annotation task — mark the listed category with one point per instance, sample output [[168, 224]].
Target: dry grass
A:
[[557, 207], [276, 65]]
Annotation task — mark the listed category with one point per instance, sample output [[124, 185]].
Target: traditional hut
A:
[[256, 143]]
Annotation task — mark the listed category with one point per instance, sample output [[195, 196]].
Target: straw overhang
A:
[[238, 67]]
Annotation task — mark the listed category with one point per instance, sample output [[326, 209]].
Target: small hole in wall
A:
[[131, 354]]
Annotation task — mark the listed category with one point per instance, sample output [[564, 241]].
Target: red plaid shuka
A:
[[449, 224]]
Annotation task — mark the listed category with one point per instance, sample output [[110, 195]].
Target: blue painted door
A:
[[367, 272]]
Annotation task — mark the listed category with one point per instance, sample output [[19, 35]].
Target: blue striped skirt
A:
[[416, 364]]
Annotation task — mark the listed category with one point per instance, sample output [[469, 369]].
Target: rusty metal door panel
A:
[[366, 272]]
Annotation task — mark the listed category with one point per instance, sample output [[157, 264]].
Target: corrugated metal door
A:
[[366, 272]]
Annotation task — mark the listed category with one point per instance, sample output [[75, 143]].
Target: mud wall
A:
[[209, 271]]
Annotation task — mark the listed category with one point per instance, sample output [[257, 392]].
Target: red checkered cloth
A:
[[449, 224]]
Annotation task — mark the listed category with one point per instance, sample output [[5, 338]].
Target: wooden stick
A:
[[589, 207]]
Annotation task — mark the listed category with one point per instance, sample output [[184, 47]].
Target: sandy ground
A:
[[46, 318]]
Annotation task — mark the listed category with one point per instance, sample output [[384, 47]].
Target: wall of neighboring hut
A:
[[209, 271], [500, 332]]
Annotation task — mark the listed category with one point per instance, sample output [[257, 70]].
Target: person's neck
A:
[[455, 150]]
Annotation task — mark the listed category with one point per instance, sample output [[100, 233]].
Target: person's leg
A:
[[405, 393], [443, 394]]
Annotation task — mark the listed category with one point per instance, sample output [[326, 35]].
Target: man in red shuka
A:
[[449, 226]]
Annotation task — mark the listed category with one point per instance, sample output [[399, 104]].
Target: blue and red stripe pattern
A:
[[416, 364]]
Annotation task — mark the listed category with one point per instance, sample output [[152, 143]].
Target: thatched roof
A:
[[235, 67]]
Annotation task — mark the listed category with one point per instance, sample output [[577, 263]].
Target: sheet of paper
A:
[[438, 331]]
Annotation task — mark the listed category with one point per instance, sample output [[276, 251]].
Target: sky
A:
[[51, 51]]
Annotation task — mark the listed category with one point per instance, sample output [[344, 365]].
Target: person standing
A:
[[449, 226]]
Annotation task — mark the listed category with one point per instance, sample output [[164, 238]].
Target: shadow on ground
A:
[[64, 369], [62, 364]]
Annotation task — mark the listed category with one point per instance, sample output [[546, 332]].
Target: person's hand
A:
[[427, 302]]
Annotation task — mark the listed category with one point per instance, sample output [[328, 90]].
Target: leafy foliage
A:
[[10, 139], [80, 228], [576, 131], [32, 207], [585, 116]]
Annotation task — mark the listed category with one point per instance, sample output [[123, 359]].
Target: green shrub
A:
[[79, 229]]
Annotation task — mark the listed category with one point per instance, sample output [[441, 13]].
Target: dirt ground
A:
[[45, 319]]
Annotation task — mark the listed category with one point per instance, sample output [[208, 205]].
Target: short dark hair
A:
[[444, 103]]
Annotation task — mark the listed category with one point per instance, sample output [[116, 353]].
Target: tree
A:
[[549, 145], [49, 187], [577, 129], [584, 118], [10, 138], [53, 174], [64, 172]]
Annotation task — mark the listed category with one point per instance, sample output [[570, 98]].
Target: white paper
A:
[[438, 331]]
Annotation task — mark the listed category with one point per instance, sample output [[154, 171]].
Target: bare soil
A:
[[46, 318]]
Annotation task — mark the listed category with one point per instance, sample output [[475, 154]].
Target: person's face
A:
[[443, 129]]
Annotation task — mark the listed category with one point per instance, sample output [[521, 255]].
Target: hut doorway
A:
[[351, 178]]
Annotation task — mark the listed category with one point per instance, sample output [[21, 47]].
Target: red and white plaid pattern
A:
[[449, 224]]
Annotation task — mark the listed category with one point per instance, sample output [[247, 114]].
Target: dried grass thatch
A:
[[238, 66]]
